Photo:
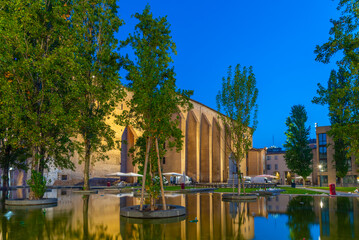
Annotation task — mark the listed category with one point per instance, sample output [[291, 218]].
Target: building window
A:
[[276, 167], [268, 157], [323, 161], [275, 157], [63, 177], [322, 139], [164, 160], [268, 166]]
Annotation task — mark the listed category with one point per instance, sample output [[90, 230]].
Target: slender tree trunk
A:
[[239, 178], [87, 165], [304, 180], [160, 174], [151, 185], [244, 189], [341, 182], [34, 167], [145, 171]]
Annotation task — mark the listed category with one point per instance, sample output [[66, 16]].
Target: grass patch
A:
[[175, 188], [248, 190], [338, 189], [290, 190]]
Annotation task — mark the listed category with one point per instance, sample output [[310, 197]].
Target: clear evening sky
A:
[[276, 37]]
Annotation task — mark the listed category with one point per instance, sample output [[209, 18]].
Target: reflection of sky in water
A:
[[275, 227]]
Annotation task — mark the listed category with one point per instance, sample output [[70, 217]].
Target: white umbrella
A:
[[171, 174], [267, 176], [121, 174]]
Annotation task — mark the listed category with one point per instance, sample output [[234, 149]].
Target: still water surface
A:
[[97, 217]]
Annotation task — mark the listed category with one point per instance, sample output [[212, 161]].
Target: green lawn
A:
[[338, 189], [288, 190]]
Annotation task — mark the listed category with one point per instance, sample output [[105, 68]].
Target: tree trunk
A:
[[304, 180], [151, 185], [341, 182], [87, 165], [161, 179], [34, 167], [145, 171], [239, 178]]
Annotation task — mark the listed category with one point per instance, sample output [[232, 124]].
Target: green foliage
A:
[[237, 101], [156, 101], [298, 155], [97, 83], [36, 64], [344, 40], [338, 103], [37, 184]]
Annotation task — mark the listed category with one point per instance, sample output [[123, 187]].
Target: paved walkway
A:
[[342, 194]]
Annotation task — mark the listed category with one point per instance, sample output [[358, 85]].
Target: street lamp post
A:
[[320, 174]]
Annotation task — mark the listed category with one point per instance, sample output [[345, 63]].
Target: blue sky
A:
[[276, 37]]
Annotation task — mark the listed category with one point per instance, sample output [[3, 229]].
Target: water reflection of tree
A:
[[345, 217], [36, 224], [301, 215], [238, 214]]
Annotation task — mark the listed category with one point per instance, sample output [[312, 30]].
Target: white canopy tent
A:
[[172, 174], [121, 174]]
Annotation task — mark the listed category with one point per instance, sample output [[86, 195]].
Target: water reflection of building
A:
[[338, 217]]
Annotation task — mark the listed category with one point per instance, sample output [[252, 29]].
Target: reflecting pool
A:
[[97, 217]]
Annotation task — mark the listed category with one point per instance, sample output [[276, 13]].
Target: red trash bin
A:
[[332, 189], [108, 184], [182, 185]]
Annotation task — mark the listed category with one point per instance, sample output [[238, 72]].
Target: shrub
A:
[[37, 183]]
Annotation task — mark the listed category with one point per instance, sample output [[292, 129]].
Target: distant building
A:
[[256, 161], [324, 171], [276, 165]]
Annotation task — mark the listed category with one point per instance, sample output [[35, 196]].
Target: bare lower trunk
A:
[[151, 185], [239, 178], [341, 182], [160, 174], [244, 189], [34, 167], [87, 165], [145, 172], [304, 180]]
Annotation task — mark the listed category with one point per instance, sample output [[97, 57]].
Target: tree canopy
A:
[[298, 155], [238, 102], [344, 40], [338, 103], [155, 97], [98, 80]]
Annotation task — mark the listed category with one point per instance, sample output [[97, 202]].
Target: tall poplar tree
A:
[[98, 81], [298, 154], [238, 102], [344, 40], [156, 98], [37, 60], [338, 102]]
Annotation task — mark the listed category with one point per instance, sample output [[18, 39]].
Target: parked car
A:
[[165, 181], [259, 180], [179, 180]]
